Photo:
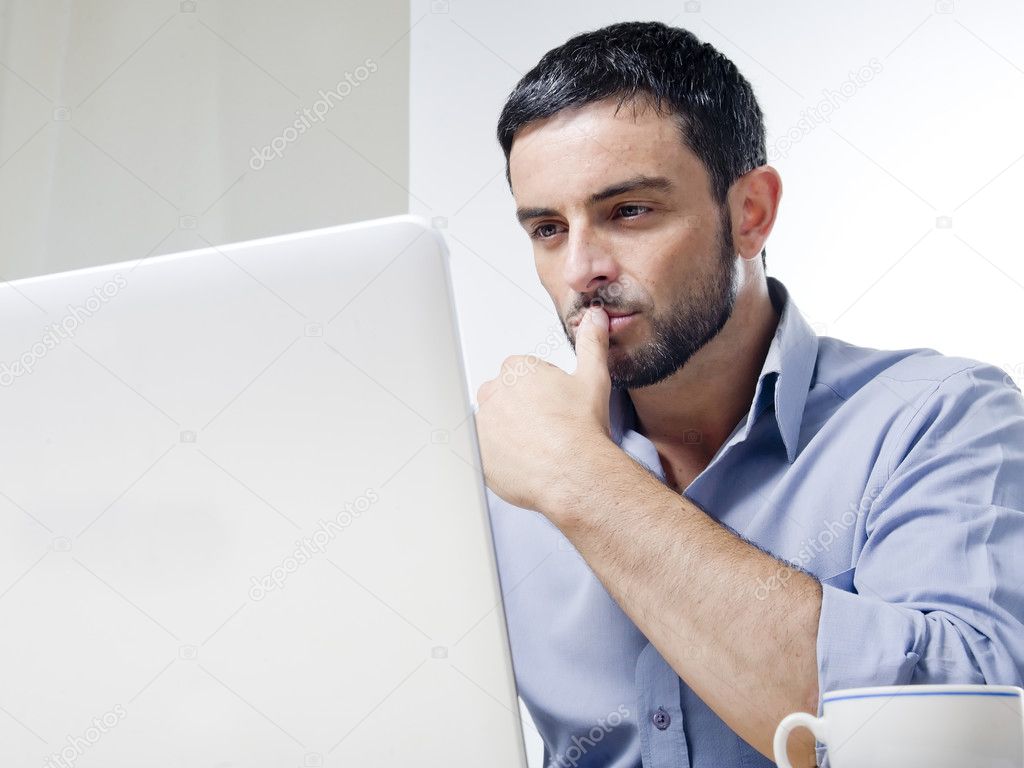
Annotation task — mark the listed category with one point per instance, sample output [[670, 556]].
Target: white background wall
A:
[[127, 126], [898, 218]]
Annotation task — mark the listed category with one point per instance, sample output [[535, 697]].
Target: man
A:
[[735, 516]]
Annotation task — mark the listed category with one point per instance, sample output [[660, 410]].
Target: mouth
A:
[[616, 322], [617, 319]]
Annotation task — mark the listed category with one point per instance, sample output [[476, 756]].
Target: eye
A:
[[544, 231], [632, 210]]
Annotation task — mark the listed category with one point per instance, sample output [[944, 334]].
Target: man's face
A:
[[620, 214]]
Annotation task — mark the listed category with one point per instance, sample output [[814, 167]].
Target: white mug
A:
[[915, 726]]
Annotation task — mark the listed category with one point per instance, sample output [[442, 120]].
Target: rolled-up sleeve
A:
[[938, 583]]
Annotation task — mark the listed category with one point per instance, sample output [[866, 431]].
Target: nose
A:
[[589, 261]]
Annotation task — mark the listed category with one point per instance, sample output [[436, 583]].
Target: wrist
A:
[[586, 480]]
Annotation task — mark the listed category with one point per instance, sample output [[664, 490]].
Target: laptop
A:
[[242, 517]]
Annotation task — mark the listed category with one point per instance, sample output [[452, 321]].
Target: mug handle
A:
[[815, 725]]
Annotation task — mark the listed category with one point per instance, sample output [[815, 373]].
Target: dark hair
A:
[[719, 117]]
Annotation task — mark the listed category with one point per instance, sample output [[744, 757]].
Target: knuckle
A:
[[509, 363]]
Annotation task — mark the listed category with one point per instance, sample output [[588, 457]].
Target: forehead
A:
[[580, 150]]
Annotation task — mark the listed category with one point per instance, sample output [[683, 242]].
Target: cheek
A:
[[658, 282], [550, 278]]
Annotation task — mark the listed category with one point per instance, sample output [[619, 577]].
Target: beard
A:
[[682, 329]]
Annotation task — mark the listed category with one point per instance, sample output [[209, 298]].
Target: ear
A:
[[753, 202]]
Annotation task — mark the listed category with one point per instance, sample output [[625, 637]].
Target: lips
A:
[[615, 317], [618, 322]]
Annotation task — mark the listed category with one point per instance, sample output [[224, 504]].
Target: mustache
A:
[[615, 295], [614, 305]]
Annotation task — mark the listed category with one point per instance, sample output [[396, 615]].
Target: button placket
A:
[[660, 716]]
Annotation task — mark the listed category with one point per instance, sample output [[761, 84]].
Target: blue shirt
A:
[[896, 478]]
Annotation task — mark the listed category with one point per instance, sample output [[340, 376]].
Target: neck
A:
[[713, 391]]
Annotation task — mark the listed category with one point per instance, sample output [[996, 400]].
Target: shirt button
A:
[[661, 719]]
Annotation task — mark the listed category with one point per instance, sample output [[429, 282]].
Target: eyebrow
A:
[[629, 185]]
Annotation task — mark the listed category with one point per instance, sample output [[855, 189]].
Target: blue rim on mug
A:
[[952, 689]]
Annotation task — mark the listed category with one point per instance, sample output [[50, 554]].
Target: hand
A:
[[537, 424]]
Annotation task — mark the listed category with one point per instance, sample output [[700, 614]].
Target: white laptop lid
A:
[[242, 521]]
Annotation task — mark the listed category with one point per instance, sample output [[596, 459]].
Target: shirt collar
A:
[[784, 381]]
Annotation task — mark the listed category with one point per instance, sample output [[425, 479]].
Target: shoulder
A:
[[909, 374], [918, 399]]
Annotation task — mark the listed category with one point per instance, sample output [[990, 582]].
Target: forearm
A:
[[689, 585]]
